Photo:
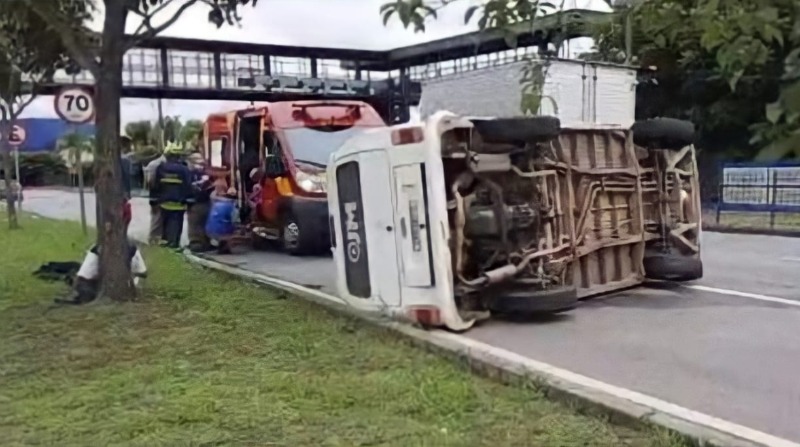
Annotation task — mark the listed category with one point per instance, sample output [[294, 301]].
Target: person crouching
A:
[[86, 285], [222, 220], [87, 281]]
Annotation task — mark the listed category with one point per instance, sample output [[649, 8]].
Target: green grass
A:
[[752, 221], [205, 359]]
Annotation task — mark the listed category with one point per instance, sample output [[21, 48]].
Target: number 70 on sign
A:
[[74, 105]]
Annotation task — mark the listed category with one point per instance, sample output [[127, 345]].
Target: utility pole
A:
[[160, 126]]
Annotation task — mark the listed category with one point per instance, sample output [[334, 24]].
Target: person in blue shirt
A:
[[222, 220], [173, 192]]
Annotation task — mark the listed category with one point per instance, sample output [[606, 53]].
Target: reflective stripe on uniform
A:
[[172, 206]]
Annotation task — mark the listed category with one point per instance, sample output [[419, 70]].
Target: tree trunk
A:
[[116, 282], [8, 171]]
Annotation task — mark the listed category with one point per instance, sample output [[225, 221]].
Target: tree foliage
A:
[[731, 66], [190, 133], [141, 133], [29, 52], [29, 45], [76, 146], [728, 65], [492, 14], [145, 133]]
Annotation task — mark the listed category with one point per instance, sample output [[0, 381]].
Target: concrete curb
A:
[[621, 405]]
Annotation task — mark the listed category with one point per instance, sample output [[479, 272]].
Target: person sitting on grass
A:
[[222, 220], [87, 280]]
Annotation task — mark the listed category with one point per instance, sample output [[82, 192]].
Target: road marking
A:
[[685, 414], [755, 296], [790, 259]]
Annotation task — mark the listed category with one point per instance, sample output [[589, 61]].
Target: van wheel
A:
[[672, 267], [295, 239], [530, 129], [527, 302], [663, 133]]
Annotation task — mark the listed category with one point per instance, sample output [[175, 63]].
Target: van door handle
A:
[[403, 226]]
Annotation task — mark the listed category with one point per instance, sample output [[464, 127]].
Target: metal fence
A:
[[770, 188]]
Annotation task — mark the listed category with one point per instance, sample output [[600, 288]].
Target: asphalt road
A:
[[727, 345]]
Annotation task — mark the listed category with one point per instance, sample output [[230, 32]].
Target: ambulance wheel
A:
[[261, 243], [295, 238], [530, 129], [663, 133]]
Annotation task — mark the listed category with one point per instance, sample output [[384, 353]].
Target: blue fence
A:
[[760, 188]]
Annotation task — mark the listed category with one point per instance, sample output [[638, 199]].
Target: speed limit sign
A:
[[17, 136], [75, 105]]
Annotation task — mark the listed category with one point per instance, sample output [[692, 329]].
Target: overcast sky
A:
[[322, 23]]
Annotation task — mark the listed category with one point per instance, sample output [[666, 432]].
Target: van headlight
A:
[[311, 182]]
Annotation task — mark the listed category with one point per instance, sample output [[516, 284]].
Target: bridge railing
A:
[[437, 69], [145, 67], [749, 190]]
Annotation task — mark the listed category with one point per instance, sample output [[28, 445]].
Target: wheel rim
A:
[[291, 235]]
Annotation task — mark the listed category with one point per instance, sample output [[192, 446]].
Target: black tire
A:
[[532, 302], [663, 133], [263, 244], [532, 129], [672, 267], [296, 240]]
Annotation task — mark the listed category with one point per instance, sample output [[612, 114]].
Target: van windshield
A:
[[314, 145]]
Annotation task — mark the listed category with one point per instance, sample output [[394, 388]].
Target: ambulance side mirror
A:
[[274, 167]]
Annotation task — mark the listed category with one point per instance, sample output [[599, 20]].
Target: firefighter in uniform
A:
[[198, 214], [173, 192]]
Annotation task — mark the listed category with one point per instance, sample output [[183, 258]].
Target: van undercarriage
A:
[[541, 216]]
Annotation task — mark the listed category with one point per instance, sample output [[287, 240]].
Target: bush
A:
[[145, 154], [41, 169]]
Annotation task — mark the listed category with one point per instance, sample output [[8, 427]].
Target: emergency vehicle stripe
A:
[[284, 187]]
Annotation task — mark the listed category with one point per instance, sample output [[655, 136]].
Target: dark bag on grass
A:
[[58, 271]]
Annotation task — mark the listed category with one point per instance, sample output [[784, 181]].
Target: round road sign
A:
[[17, 136], [75, 105]]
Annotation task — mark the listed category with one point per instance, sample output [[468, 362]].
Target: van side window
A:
[[219, 155]]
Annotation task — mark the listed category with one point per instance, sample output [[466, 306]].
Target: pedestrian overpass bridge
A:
[[193, 69]]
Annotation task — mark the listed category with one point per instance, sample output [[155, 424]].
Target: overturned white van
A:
[[455, 219]]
